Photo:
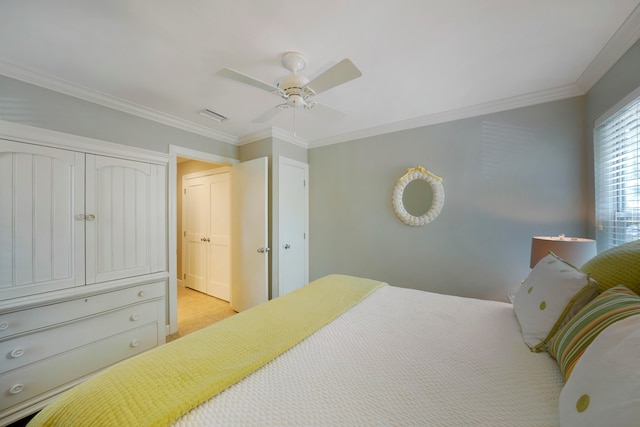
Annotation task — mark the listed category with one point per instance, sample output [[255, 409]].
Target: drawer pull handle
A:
[[17, 352], [135, 317], [142, 293], [17, 388], [135, 343], [4, 326]]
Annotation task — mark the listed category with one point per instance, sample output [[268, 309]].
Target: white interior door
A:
[[195, 225], [293, 265], [207, 231], [218, 240], [249, 234]]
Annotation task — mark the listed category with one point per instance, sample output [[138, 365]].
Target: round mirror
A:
[[418, 197]]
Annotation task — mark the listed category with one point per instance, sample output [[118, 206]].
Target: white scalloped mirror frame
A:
[[436, 204]]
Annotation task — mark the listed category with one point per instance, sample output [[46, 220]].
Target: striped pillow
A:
[[568, 345]]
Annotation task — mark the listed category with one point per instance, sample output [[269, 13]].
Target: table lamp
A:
[[574, 250]]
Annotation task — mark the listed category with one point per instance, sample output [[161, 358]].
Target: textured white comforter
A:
[[399, 358]]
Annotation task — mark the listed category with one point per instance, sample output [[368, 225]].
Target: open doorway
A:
[[197, 305], [188, 310]]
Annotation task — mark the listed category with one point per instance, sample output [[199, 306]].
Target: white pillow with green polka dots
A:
[[553, 292], [604, 386]]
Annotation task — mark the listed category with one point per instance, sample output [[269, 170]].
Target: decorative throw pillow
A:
[[548, 297], [604, 388], [573, 338], [616, 266]]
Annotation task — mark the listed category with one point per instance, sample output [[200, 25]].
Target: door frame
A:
[[176, 151]]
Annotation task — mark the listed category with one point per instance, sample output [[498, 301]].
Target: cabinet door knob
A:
[[4, 326], [135, 343], [135, 317], [142, 293], [91, 217], [17, 388], [17, 352]]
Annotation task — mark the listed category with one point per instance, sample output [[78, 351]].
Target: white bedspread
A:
[[400, 358]]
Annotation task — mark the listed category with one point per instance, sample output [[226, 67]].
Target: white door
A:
[[249, 234], [207, 231], [219, 238], [293, 187], [195, 225], [41, 219]]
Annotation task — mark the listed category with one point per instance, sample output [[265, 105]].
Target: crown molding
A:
[[526, 100], [274, 132], [618, 44], [58, 85], [34, 135]]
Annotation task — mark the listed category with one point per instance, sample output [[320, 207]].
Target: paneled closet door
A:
[[126, 217], [41, 223]]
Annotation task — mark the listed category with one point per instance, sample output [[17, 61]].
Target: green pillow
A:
[[571, 341], [616, 266]]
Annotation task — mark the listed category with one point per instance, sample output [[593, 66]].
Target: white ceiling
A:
[[423, 61]]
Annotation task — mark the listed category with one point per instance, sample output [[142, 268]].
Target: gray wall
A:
[[35, 106], [507, 176]]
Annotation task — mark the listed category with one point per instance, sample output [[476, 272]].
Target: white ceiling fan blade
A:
[[327, 112], [243, 78], [342, 72], [270, 113]]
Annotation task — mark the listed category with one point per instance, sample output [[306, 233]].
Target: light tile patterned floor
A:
[[197, 310]]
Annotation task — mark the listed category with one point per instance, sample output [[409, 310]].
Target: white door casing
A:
[[249, 234], [293, 219]]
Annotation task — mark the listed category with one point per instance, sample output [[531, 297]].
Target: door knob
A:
[[263, 250], [287, 246]]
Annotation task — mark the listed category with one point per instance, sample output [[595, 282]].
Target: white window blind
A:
[[617, 177]]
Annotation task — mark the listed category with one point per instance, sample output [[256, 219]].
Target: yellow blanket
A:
[[157, 387]]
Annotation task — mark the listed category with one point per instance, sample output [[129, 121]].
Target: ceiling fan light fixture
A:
[[213, 115]]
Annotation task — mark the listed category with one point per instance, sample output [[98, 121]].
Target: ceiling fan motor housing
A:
[[293, 88]]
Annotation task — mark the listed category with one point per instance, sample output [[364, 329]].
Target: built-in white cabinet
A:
[[70, 219], [83, 261]]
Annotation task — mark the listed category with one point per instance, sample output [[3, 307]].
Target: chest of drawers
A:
[[47, 349]]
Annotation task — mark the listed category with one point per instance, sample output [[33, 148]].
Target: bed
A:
[[351, 351]]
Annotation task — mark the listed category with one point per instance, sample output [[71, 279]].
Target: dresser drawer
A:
[[59, 371], [34, 318], [25, 349]]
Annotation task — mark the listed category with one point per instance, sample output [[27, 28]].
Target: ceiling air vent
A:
[[213, 115]]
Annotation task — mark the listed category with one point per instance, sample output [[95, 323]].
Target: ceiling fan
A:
[[297, 90]]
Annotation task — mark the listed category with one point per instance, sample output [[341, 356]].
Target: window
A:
[[617, 175]]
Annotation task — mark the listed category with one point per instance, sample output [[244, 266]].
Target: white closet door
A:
[[196, 226], [41, 242], [219, 277], [125, 211], [293, 219]]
